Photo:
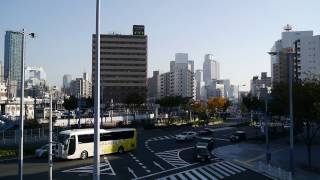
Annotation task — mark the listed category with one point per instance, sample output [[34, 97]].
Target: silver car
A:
[[43, 151], [186, 136]]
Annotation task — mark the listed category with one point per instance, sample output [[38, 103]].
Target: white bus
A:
[[78, 143]]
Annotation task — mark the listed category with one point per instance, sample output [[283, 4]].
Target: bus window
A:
[[72, 145], [85, 138]]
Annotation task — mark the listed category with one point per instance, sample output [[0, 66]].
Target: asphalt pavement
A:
[[158, 156]]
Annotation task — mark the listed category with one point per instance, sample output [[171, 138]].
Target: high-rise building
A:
[[34, 76], [260, 87], [12, 56], [154, 87], [1, 71], [182, 76], [67, 78], [165, 84], [211, 68], [123, 65], [81, 87], [306, 58], [198, 83]]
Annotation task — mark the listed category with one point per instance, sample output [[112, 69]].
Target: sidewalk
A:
[[253, 157]]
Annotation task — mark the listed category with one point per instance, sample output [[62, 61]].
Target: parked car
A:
[[185, 136], [238, 136], [43, 151], [207, 141], [66, 115], [201, 153]]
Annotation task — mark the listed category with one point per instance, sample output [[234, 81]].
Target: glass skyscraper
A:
[[13, 56]]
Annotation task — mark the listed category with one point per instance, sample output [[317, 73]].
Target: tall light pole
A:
[[290, 54], [50, 139], [268, 154], [239, 94], [32, 35], [96, 173]]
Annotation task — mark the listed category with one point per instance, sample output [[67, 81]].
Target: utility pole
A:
[[32, 35], [21, 107], [50, 139], [290, 59], [96, 172]]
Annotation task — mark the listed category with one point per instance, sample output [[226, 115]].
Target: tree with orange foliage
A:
[[216, 104]]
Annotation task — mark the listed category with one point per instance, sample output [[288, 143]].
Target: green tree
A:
[[306, 108], [69, 104]]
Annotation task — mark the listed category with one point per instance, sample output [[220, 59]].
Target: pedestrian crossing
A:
[[105, 168], [172, 157], [162, 138], [214, 171]]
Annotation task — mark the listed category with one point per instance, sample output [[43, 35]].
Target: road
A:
[[158, 156]]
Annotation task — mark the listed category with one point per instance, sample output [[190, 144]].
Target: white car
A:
[[43, 151], [185, 136]]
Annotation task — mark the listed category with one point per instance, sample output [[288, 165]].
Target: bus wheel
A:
[[120, 150], [84, 155]]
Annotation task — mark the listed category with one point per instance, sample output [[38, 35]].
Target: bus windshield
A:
[[63, 138]]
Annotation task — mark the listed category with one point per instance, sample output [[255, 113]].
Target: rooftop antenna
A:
[[287, 28]]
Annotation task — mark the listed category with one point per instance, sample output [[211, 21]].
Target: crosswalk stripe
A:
[[219, 170], [230, 167], [168, 153], [214, 172], [181, 176], [172, 177], [198, 174], [236, 166], [224, 168], [206, 173], [190, 175]]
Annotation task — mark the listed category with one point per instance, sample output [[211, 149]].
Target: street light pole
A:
[[96, 173], [268, 154], [290, 59], [20, 168], [50, 139], [21, 108]]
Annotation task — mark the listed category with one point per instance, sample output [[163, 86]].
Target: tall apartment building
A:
[[123, 64], [198, 83], [154, 87], [182, 76], [12, 56], [67, 78], [306, 58], [165, 84], [81, 87], [211, 68]]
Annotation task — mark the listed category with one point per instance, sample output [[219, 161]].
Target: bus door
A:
[[72, 145]]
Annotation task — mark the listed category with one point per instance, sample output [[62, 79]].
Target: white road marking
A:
[[132, 172], [212, 171], [221, 139], [105, 168], [172, 157], [157, 164]]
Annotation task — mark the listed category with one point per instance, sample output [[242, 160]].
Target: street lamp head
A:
[[273, 53], [32, 35]]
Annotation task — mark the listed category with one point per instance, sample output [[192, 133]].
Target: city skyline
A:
[[213, 27]]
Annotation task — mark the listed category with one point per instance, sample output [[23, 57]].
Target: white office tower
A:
[[198, 81], [34, 76], [182, 77], [306, 59], [211, 68]]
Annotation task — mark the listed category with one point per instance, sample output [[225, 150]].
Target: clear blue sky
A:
[[238, 33]]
